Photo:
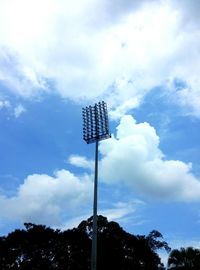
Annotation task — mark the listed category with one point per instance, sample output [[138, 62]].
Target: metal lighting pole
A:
[[95, 129]]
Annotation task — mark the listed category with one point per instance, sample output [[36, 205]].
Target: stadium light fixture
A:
[[95, 129]]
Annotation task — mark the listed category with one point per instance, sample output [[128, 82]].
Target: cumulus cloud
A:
[[60, 201], [92, 49], [133, 158], [48, 199], [81, 161], [19, 78]]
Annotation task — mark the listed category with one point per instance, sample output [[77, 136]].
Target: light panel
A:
[[95, 123]]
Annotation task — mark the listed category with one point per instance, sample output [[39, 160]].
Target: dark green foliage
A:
[[184, 259], [38, 247]]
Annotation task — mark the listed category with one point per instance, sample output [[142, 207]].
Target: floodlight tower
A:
[[95, 129]]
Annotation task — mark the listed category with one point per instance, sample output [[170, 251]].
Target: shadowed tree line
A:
[[184, 259], [39, 247]]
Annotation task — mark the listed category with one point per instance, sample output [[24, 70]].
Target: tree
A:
[[184, 259], [147, 249], [38, 247], [32, 248], [155, 243], [120, 250]]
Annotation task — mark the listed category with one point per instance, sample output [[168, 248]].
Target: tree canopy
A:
[[184, 259], [39, 247]]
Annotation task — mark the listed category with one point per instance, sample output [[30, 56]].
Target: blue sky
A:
[[142, 58]]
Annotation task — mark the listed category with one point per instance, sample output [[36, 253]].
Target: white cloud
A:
[[120, 212], [46, 199], [19, 77], [15, 110], [88, 47], [4, 104], [80, 161], [133, 157], [18, 110]]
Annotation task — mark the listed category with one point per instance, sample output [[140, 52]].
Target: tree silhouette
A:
[[120, 250], [184, 259], [39, 247], [33, 248]]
